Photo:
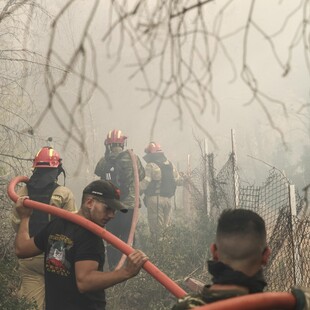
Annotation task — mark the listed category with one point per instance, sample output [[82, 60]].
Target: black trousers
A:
[[120, 227]]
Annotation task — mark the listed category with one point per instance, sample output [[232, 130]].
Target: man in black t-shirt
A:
[[74, 256]]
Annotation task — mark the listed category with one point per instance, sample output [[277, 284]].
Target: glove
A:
[[302, 295], [189, 302]]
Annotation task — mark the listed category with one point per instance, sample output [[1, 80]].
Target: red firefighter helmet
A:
[[153, 147], [47, 157], [115, 137]]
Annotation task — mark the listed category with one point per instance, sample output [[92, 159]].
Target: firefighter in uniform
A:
[[42, 187], [117, 166], [158, 186]]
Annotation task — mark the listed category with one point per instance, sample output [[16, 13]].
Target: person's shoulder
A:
[[58, 225], [124, 154], [152, 166], [63, 188], [153, 171], [62, 191], [124, 157], [207, 296], [63, 197], [52, 226], [82, 234], [101, 160], [167, 162]]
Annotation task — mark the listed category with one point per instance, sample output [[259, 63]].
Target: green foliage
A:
[[9, 277], [8, 287], [182, 251]]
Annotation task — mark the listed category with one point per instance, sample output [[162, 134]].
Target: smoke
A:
[[125, 106]]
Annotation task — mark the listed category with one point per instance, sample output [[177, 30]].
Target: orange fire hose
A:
[[259, 301], [136, 209], [162, 278]]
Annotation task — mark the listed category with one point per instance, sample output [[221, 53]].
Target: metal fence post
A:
[[293, 213], [234, 167], [205, 179]]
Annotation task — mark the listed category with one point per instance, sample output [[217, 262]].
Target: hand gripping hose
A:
[[258, 301], [170, 285]]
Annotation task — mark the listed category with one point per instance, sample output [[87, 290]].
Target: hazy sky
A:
[[253, 133]]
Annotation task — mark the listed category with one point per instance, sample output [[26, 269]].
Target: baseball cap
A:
[[107, 192]]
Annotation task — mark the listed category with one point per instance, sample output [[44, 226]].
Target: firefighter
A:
[[116, 166], [158, 186], [43, 187]]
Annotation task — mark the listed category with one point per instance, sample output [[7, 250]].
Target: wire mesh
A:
[[288, 235]]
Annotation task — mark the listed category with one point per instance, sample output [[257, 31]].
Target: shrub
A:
[[182, 251], [9, 282]]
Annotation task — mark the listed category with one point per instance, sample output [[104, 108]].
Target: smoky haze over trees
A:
[[176, 47], [163, 70], [210, 65], [170, 70], [16, 102]]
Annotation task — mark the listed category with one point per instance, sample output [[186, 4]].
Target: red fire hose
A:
[[259, 301], [171, 286]]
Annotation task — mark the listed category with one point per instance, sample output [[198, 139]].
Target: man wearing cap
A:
[[74, 256]]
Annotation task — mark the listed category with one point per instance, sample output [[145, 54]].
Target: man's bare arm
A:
[[88, 278], [24, 245]]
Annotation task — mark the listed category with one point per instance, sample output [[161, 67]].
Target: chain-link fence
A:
[[276, 200]]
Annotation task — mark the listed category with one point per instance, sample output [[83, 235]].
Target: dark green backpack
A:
[[115, 172], [167, 185]]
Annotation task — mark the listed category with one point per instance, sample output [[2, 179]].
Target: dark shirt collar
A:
[[224, 274]]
